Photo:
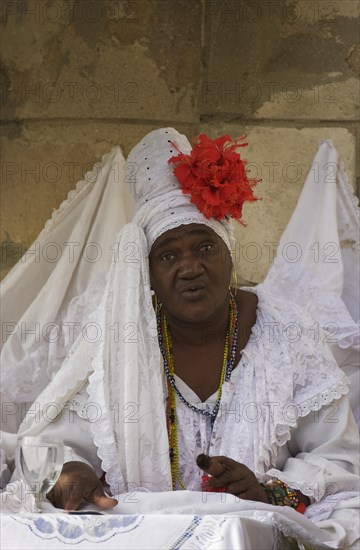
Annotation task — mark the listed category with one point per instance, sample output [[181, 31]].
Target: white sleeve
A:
[[325, 453]]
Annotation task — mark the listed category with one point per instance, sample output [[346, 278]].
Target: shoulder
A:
[[246, 299], [297, 347], [272, 318], [247, 304], [272, 306]]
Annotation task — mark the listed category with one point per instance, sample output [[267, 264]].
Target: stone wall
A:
[[79, 76]]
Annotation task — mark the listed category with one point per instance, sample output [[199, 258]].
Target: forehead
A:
[[190, 230]]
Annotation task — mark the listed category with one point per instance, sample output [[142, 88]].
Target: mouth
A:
[[193, 291]]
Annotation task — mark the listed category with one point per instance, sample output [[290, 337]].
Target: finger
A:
[[210, 465], [73, 504], [254, 492], [60, 495], [237, 488], [104, 502], [229, 463], [71, 496], [239, 474], [225, 479], [97, 496], [51, 497]]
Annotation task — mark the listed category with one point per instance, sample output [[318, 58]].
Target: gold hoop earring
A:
[[156, 304], [154, 299], [233, 282]]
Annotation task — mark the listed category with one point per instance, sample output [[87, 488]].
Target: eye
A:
[[167, 257], [207, 247]]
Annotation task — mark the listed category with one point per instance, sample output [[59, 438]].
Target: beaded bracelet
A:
[[280, 494]]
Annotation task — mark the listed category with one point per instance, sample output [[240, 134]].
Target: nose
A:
[[190, 267]]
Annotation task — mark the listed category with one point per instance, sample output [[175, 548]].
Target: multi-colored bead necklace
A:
[[229, 357]]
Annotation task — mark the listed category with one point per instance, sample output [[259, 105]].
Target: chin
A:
[[194, 312]]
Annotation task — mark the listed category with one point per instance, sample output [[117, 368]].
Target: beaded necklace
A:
[[229, 356]]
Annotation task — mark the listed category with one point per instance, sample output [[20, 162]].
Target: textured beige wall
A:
[[78, 76]]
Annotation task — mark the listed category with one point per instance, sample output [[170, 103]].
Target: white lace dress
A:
[[271, 404], [282, 412]]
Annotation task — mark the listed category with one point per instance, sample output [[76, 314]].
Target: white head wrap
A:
[[160, 204]]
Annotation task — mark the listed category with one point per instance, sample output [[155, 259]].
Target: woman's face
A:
[[190, 270]]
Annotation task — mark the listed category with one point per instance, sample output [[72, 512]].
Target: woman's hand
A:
[[78, 483], [240, 481]]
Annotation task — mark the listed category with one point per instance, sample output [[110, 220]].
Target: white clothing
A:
[[317, 264], [288, 378], [313, 445]]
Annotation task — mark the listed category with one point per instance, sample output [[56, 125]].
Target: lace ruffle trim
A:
[[282, 431], [324, 398], [60, 212], [102, 429], [80, 187], [354, 200], [71, 377]]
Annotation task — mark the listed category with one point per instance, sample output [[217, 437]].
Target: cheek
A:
[[225, 267], [152, 272], [159, 280], [225, 279]]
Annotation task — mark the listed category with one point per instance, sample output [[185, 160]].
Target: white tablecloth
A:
[[182, 520]]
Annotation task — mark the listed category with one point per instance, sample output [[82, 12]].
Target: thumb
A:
[[104, 501]]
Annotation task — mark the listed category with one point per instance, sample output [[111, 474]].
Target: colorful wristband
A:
[[280, 494]]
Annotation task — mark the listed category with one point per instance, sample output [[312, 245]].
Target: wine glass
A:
[[39, 461]]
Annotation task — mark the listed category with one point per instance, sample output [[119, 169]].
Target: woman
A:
[[243, 381]]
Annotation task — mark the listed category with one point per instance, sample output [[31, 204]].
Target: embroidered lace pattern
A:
[[26, 379], [128, 381], [283, 375], [82, 187], [301, 285], [29, 362]]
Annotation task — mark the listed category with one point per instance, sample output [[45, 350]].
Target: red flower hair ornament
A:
[[214, 174]]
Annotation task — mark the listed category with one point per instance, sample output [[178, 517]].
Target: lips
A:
[[193, 291], [192, 287]]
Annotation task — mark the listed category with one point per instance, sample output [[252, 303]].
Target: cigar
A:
[[210, 465], [213, 468], [203, 461]]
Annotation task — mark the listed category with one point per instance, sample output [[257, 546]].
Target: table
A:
[[171, 521]]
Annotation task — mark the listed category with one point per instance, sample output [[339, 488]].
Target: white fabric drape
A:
[[40, 319], [317, 264]]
